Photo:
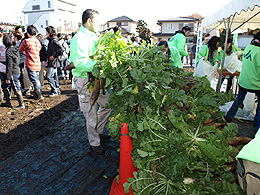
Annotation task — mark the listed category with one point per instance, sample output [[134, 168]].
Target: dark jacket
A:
[[55, 50], [12, 62], [43, 52]]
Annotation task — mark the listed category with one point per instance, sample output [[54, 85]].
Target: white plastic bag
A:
[[232, 63], [249, 103], [204, 68]]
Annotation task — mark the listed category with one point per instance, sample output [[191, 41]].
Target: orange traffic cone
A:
[[126, 167]]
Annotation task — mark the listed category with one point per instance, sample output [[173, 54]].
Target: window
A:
[[170, 26], [41, 26], [122, 23], [47, 23], [49, 4], [107, 25], [36, 7]]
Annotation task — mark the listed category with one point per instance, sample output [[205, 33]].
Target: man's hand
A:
[[7, 82], [51, 58]]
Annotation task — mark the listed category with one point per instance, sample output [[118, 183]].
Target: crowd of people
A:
[[24, 57]]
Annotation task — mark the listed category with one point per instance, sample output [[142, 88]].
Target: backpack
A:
[[248, 176], [65, 47]]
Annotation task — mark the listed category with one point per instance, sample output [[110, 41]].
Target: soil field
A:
[[44, 149]]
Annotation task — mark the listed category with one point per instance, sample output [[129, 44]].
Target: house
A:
[[7, 27], [127, 25], [169, 26], [57, 13]]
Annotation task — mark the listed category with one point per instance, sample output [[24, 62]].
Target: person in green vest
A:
[[178, 42], [82, 45], [248, 166], [209, 52], [249, 78], [172, 52], [230, 50]]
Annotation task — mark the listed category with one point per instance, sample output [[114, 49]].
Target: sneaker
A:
[[104, 136], [53, 95], [98, 150]]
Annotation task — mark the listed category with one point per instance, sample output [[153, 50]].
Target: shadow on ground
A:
[[50, 154]]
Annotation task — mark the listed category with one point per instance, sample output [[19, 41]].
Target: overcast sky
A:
[[149, 11]]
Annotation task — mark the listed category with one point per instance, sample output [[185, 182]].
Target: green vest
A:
[[82, 45], [251, 151], [179, 41], [175, 57], [250, 74]]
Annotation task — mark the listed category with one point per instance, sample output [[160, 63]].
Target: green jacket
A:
[[251, 151], [179, 41], [175, 57], [204, 52], [250, 74], [234, 49], [81, 47]]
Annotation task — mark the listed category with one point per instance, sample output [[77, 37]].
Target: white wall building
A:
[[60, 14], [128, 26]]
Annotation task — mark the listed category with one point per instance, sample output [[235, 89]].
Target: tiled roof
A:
[[180, 19], [163, 34], [123, 31], [121, 19]]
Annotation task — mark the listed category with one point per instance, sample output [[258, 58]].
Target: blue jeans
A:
[[34, 78], [53, 80], [64, 73], [14, 83], [241, 96]]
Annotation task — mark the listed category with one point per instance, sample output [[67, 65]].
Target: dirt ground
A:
[[27, 130]]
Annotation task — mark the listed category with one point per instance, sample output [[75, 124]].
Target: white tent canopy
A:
[[243, 14]]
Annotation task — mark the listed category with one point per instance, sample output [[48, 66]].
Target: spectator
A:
[[31, 46], [12, 71], [53, 52], [2, 63], [81, 45], [18, 29], [43, 59], [64, 74], [249, 80], [23, 76]]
